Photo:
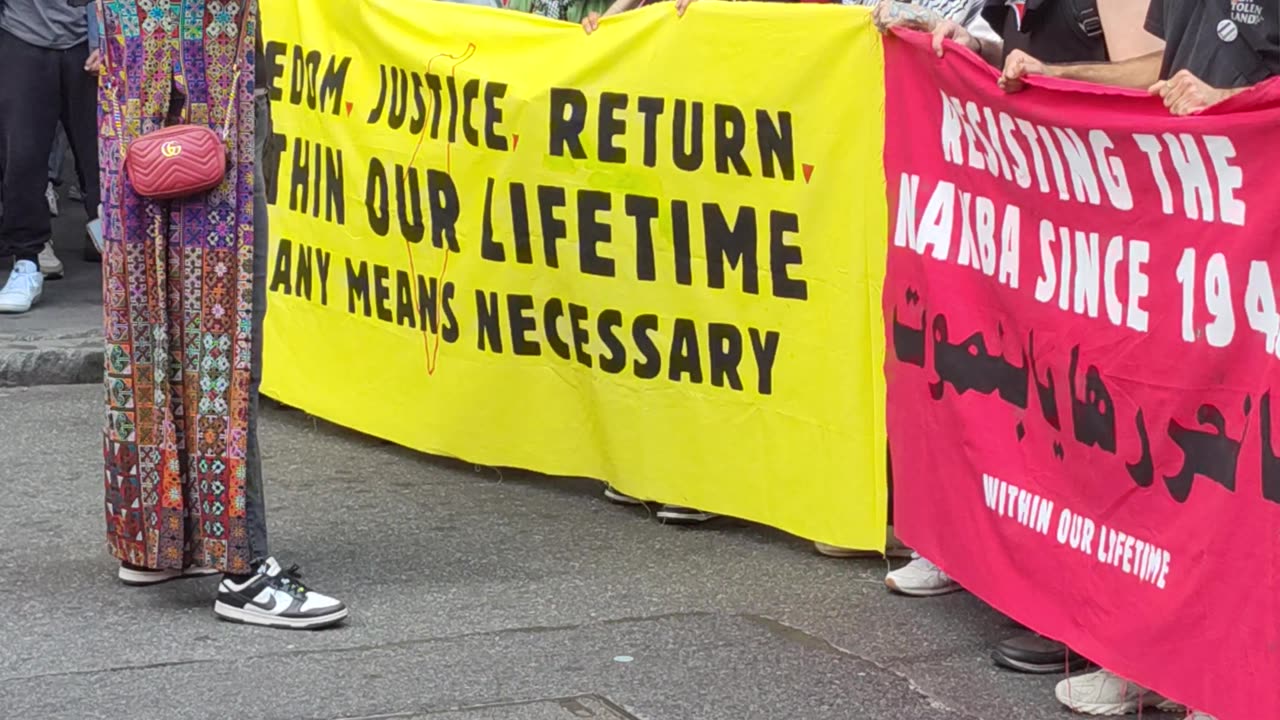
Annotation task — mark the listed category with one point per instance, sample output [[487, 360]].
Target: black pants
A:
[[255, 495], [38, 89]]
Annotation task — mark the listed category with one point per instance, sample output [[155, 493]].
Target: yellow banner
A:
[[651, 256]]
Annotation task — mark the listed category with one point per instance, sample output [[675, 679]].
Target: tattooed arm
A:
[[977, 36], [890, 13]]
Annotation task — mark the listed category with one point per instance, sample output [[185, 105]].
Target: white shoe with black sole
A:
[[614, 496], [677, 515], [140, 576], [276, 598]]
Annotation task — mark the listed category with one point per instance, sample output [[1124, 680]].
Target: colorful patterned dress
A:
[[178, 290]]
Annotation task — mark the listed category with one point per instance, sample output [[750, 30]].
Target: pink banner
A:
[[1082, 355]]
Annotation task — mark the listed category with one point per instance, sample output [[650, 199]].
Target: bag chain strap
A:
[[114, 93]]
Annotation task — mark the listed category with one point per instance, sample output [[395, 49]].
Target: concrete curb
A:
[[70, 359]]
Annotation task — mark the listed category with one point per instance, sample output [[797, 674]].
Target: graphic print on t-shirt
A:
[[1243, 12], [1246, 12], [1019, 8]]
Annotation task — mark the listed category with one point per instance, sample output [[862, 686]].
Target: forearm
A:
[[1140, 72], [989, 45]]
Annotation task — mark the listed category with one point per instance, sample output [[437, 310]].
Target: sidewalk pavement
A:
[[477, 594], [60, 340]]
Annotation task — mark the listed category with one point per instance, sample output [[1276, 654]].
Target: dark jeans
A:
[[255, 498], [38, 89]]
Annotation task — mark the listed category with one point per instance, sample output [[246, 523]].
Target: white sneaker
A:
[[920, 578], [23, 288], [1200, 716], [51, 197], [50, 265], [1103, 693], [615, 496], [94, 229], [680, 515], [133, 575]]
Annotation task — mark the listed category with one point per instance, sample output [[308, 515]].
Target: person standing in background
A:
[[44, 53], [184, 304], [1212, 51], [1069, 31]]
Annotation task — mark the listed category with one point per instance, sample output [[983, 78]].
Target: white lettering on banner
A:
[[1218, 302], [1148, 563], [1137, 558], [1082, 166], [1076, 278], [1073, 165], [1199, 199], [930, 232], [1026, 508]]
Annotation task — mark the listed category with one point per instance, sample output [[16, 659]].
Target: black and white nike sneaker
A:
[[274, 597]]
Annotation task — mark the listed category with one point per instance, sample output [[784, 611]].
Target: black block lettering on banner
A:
[[725, 348], [1094, 416], [493, 92], [554, 229], [777, 149], [765, 348], [643, 210], [735, 246], [685, 359], [1208, 453], [551, 315], [783, 256], [577, 316], [313, 82], [407, 201], [409, 204], [611, 127], [594, 233], [520, 224], [488, 321], [731, 139], [444, 209], [651, 108], [1270, 462], [377, 199], [607, 326], [568, 120], [640, 333], [317, 186], [490, 250], [520, 309], [302, 271], [687, 133]]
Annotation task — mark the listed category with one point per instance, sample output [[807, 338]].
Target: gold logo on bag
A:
[[171, 149]]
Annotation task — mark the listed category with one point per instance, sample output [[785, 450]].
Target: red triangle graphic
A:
[[515, 140], [349, 109], [808, 172]]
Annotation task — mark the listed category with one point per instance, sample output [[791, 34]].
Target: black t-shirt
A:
[[1054, 31], [1225, 43]]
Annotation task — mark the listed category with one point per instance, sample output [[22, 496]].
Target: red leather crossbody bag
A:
[[180, 160]]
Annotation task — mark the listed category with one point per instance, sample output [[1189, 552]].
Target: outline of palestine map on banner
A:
[[497, 238], [1082, 319]]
